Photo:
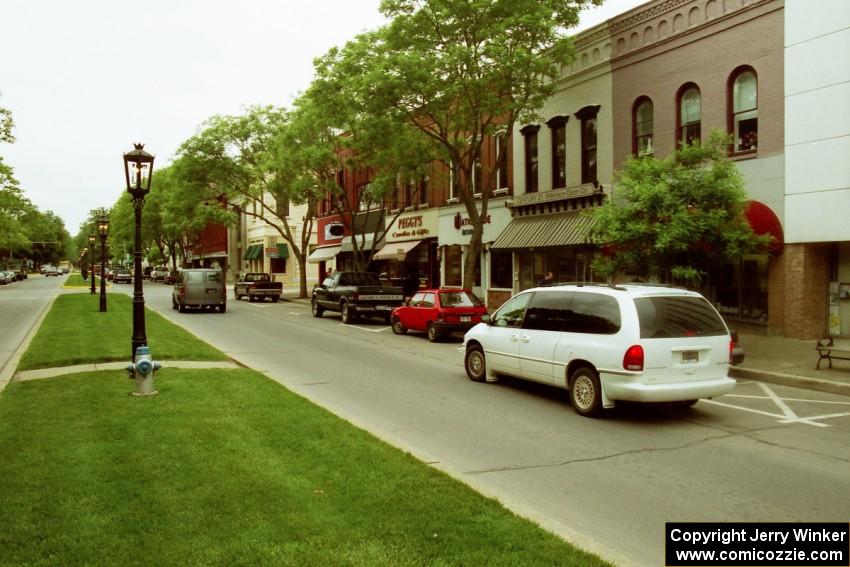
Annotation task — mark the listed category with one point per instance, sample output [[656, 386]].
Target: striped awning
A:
[[323, 254], [538, 231], [253, 252]]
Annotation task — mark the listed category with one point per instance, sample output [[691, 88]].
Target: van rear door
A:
[[684, 339]]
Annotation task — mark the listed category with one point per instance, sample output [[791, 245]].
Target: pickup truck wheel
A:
[[236, 295], [174, 304], [398, 328], [316, 308], [275, 298], [251, 298], [348, 315]]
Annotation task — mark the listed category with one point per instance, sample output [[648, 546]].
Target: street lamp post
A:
[[103, 230], [138, 166], [92, 239]]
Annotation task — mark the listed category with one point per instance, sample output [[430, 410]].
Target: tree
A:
[[675, 217], [459, 71], [12, 202], [232, 158]]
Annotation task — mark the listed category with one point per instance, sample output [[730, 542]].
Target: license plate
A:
[[384, 308], [690, 356], [211, 291], [465, 318]]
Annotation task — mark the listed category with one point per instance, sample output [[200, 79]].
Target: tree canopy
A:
[[674, 218]]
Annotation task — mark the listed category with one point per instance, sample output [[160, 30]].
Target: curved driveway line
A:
[[8, 371], [40, 373]]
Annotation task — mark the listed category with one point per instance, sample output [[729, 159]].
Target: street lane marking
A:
[[382, 329], [788, 415]]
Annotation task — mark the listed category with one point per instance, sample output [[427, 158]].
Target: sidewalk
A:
[[790, 362]]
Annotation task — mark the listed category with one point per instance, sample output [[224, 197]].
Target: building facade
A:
[[817, 168]]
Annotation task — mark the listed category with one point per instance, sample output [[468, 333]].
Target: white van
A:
[[607, 343]]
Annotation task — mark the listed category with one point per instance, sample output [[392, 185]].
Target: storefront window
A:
[[742, 288], [454, 265], [501, 269]]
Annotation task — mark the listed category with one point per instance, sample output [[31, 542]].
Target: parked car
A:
[[354, 294], [171, 277], [122, 275], [257, 286], [110, 273], [607, 344], [6, 277], [438, 312], [51, 271], [201, 288], [158, 274]]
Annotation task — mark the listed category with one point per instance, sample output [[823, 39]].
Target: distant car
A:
[[51, 271], [158, 274], [110, 273], [6, 277], [438, 312], [171, 277], [122, 275]]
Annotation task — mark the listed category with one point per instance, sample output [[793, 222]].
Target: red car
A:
[[438, 312]]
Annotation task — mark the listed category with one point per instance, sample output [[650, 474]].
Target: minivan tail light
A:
[[633, 360]]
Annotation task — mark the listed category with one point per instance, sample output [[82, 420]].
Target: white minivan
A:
[[604, 343]]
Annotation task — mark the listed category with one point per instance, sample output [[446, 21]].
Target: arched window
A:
[[643, 127], [689, 118], [743, 109]]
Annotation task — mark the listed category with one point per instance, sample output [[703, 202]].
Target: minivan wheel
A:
[[585, 392], [181, 307], [222, 308], [316, 308], [475, 364], [174, 304]]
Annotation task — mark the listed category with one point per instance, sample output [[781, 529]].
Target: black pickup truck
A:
[[257, 286], [354, 294]]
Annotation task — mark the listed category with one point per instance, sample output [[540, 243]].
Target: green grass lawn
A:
[[76, 280], [227, 467], [76, 332]]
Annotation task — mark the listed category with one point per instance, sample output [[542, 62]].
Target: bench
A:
[[827, 350]]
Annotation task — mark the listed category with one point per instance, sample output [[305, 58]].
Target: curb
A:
[[8, 371], [795, 381], [40, 373]]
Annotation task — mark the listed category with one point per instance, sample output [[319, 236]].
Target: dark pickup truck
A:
[[354, 294], [257, 286]]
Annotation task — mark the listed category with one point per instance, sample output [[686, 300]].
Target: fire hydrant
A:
[[143, 372]]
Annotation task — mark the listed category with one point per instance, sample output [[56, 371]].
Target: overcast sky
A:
[[85, 80]]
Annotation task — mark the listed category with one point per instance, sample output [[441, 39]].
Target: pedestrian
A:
[[548, 279], [329, 273], [410, 284]]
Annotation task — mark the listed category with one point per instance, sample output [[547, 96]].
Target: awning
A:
[[763, 221], [323, 254], [364, 242], [253, 252], [282, 252], [396, 250], [540, 231]]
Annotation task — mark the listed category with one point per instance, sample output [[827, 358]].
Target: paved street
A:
[[21, 303], [762, 453]]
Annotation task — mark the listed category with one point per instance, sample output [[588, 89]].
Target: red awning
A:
[[763, 221]]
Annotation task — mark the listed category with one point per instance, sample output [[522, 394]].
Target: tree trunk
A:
[[302, 283]]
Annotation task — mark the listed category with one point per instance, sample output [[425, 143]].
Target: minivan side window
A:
[[511, 313], [549, 311], [593, 313]]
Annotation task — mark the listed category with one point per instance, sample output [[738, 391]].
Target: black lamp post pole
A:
[[139, 336], [91, 262], [102, 272]]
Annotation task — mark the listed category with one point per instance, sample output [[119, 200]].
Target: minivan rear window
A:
[[194, 277], [673, 317], [214, 277]]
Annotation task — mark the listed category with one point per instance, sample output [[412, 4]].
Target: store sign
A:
[[419, 225], [334, 230], [464, 224]]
